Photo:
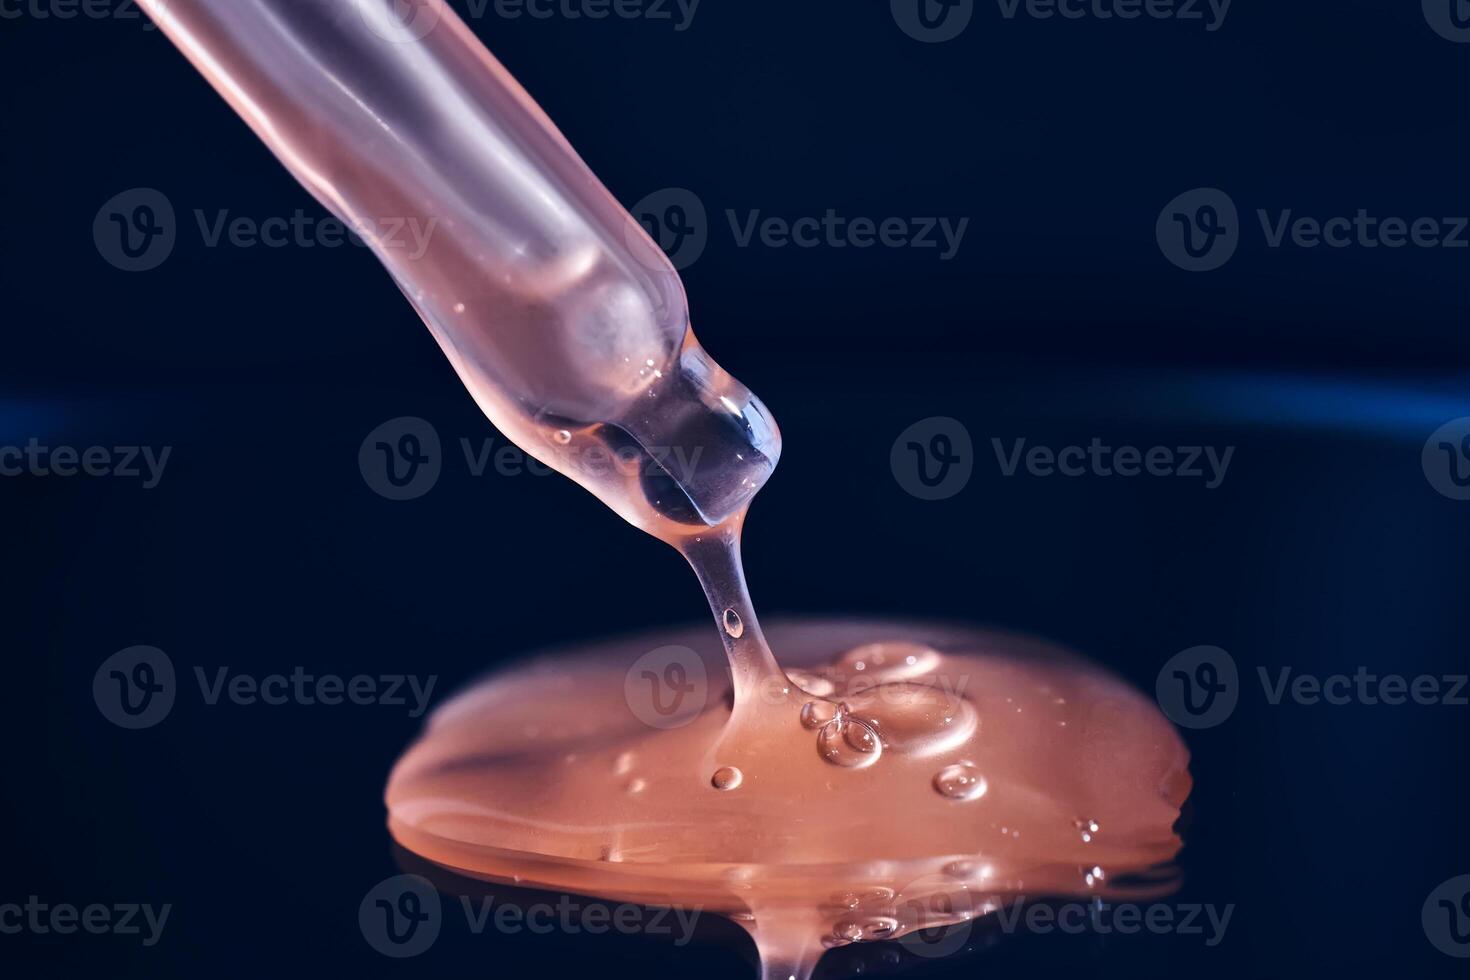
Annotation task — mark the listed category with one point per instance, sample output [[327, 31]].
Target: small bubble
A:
[[859, 736], [1093, 876], [871, 927], [635, 786], [1086, 828], [815, 714], [879, 927], [727, 778], [459, 307], [961, 781], [849, 742], [562, 437], [733, 625]]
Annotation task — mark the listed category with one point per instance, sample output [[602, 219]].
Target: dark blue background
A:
[[1059, 320]]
